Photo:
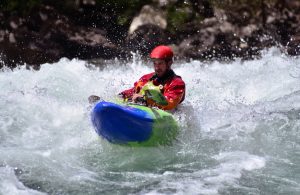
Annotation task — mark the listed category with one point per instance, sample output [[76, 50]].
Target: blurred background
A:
[[39, 31]]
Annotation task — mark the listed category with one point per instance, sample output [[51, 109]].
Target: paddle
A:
[[156, 96]]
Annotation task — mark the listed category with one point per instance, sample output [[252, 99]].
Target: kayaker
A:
[[163, 79]]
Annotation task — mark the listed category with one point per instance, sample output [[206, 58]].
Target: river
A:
[[240, 130]]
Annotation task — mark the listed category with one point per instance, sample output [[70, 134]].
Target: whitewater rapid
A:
[[240, 130]]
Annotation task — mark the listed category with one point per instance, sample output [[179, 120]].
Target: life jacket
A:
[[157, 83], [171, 86]]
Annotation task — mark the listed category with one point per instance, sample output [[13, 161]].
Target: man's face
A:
[[160, 67]]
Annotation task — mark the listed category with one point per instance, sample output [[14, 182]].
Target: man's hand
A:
[[136, 96]]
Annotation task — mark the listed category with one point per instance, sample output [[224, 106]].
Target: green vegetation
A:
[[18, 6], [178, 12], [125, 10], [177, 17]]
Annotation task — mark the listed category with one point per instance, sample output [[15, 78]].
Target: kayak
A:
[[133, 125]]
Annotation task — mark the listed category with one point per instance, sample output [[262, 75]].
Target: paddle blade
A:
[[156, 96]]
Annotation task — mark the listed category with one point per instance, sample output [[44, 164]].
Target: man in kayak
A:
[[163, 80]]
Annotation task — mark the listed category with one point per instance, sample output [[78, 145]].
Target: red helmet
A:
[[162, 52]]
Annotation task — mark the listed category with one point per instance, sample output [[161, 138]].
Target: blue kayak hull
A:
[[133, 125]]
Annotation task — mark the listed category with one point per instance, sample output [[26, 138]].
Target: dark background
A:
[[39, 31]]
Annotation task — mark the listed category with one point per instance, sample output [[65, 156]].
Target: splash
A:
[[239, 123]]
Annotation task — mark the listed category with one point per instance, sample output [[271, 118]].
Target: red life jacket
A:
[[173, 88]]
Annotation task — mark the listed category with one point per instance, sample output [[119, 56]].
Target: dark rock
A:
[[46, 36], [214, 40], [203, 7], [293, 47], [146, 37], [148, 15]]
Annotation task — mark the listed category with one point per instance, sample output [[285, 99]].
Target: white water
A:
[[240, 131]]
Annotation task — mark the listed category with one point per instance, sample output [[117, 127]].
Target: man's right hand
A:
[[136, 97]]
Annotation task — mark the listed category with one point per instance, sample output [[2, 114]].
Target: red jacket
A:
[[173, 88]]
